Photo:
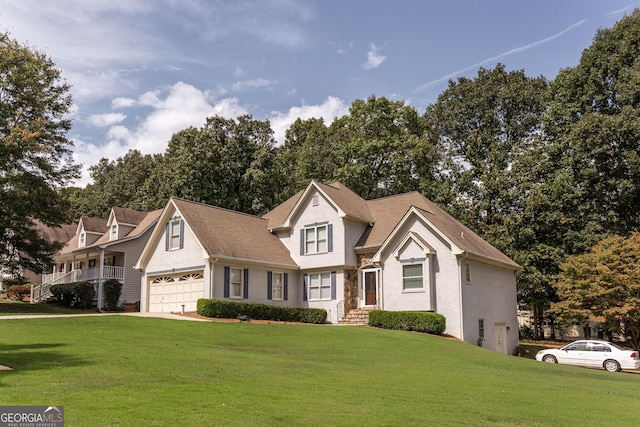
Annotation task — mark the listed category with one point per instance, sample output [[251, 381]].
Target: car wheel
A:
[[611, 365], [550, 359]]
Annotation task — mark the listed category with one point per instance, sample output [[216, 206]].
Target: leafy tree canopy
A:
[[603, 285], [226, 163], [35, 154], [594, 128]]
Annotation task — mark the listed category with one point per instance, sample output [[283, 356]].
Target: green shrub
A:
[[77, 294], [18, 292], [112, 289], [419, 321], [16, 281], [232, 310]]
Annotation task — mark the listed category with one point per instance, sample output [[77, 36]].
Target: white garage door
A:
[[169, 293]]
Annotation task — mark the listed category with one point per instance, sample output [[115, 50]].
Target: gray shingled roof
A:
[[128, 216], [94, 225], [229, 234], [147, 220], [355, 207], [388, 212]]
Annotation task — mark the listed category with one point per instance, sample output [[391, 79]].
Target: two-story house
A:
[[328, 248], [102, 250]]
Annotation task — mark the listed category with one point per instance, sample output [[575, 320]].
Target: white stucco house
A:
[[328, 248]]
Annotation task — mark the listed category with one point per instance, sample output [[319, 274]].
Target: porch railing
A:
[[43, 291], [340, 309]]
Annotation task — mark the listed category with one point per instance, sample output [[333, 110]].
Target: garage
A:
[[170, 293]]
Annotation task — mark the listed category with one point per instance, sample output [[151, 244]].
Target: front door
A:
[[370, 287], [500, 334]]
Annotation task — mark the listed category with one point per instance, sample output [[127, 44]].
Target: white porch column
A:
[[100, 276]]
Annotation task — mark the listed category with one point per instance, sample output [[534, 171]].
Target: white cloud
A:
[[374, 59], [175, 109], [256, 83], [102, 120], [183, 106], [122, 102], [341, 49], [329, 110]]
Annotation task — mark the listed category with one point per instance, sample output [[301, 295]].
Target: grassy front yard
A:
[[9, 307], [130, 371]]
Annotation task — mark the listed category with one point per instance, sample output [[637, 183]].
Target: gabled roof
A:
[[147, 221], [125, 216], [228, 234], [348, 204], [384, 215], [92, 225], [387, 212], [462, 240]]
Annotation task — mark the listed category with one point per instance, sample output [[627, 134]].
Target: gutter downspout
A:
[[461, 266]]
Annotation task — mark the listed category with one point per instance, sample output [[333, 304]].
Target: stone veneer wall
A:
[[350, 290]]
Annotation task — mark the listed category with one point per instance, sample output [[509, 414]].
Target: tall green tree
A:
[[115, 183], [307, 153], [227, 163], [377, 144], [489, 131], [35, 154], [603, 285], [594, 127], [483, 126]]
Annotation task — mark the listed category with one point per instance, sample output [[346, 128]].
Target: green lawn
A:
[[132, 371], [8, 307]]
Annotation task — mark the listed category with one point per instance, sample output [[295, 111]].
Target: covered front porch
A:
[[94, 266]]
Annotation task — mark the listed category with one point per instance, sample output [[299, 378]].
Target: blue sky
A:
[[142, 70]]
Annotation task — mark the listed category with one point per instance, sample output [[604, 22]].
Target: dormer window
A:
[[114, 232], [82, 239]]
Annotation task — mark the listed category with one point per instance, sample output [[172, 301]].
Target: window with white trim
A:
[[277, 290], [467, 273], [235, 283], [114, 232], [315, 240], [82, 239], [319, 286], [174, 235], [412, 277]]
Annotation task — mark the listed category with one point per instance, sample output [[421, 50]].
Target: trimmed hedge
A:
[[419, 321], [77, 294], [232, 310]]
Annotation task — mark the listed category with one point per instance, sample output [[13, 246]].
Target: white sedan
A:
[[599, 354]]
